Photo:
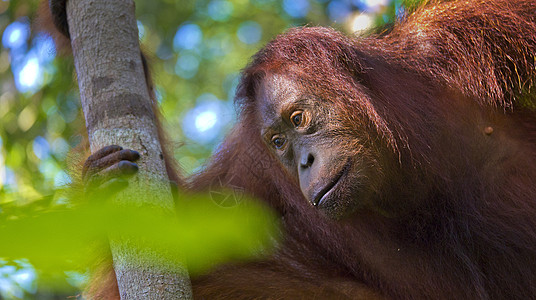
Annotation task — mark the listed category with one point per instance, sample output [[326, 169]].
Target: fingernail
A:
[[128, 167]]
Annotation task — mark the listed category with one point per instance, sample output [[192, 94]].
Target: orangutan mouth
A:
[[321, 196]]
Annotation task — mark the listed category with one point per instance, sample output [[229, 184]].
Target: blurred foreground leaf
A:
[[202, 234]]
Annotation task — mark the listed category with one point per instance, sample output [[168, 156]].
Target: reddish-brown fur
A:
[[466, 226], [457, 216]]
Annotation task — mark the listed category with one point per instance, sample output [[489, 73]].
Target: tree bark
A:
[[118, 110]]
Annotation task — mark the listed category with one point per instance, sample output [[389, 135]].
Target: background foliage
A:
[[196, 50]]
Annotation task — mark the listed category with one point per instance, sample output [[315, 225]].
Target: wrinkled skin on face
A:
[[332, 160]]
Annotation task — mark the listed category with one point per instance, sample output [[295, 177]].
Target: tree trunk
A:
[[118, 110]]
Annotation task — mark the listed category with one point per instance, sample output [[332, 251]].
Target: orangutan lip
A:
[[319, 197]]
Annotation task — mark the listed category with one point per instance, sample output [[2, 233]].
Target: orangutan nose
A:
[[306, 161]]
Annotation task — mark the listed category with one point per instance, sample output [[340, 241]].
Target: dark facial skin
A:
[[333, 165]]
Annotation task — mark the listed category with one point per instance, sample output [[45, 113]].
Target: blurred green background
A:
[[196, 50]]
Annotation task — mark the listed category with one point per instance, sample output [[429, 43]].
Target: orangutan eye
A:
[[278, 141], [297, 118]]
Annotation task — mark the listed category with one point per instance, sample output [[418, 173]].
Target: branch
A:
[[118, 110]]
